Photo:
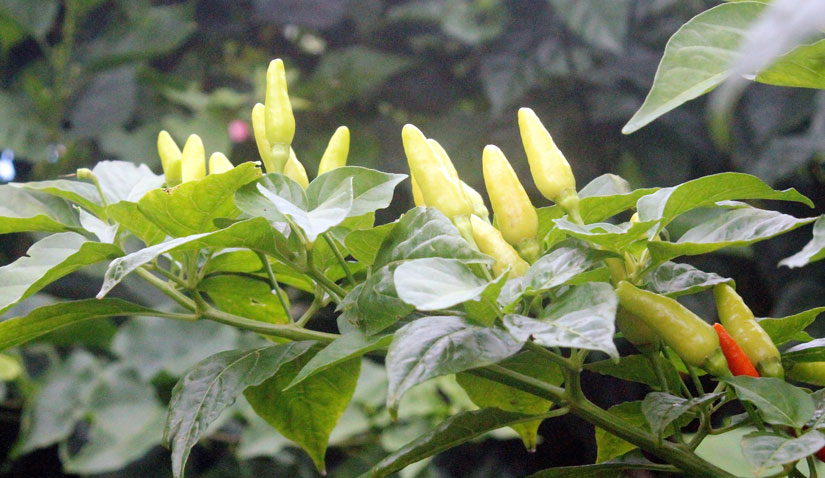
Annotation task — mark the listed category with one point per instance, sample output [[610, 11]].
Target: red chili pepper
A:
[[738, 362]]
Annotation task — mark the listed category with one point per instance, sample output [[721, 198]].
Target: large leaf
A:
[[456, 430], [191, 207], [19, 330], [784, 329], [766, 450], [433, 346], [487, 393], [84, 194], [22, 210], [371, 189], [583, 318], [697, 58], [667, 203], [435, 283], [255, 234], [373, 305], [308, 411], [46, 261], [662, 409], [128, 216], [736, 227], [211, 386], [247, 297], [125, 181], [363, 244], [813, 250], [606, 196], [778, 402], [803, 67], [674, 279]]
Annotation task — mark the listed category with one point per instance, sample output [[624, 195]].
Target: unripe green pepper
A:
[[280, 122], [295, 170], [738, 320], [636, 331], [808, 372], [693, 339], [515, 215], [170, 157], [219, 163], [193, 159], [272, 164], [550, 170], [490, 241], [335, 156]]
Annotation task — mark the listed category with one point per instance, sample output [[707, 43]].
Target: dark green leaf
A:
[[608, 469], [766, 450], [440, 345], [785, 329], [662, 409], [778, 402], [373, 305], [674, 279]]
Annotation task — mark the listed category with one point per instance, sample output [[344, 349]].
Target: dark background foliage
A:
[[87, 80]]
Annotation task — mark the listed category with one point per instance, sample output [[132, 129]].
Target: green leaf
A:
[[440, 345], [606, 196], [765, 450], [46, 261], [250, 199], [84, 194], [371, 189], [662, 409], [454, 431], [125, 181], [363, 244], [609, 446], [22, 210], [128, 216], [308, 411], [373, 305], [583, 317], [612, 237], [672, 279], [802, 67], [667, 203], [813, 351], [247, 297], [191, 207], [637, 368], [255, 234], [778, 402], [697, 58], [792, 327], [212, 385], [813, 250], [348, 346], [19, 330], [608, 469], [125, 421], [435, 283], [486, 310], [487, 393], [736, 227]]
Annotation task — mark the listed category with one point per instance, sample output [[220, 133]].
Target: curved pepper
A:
[[335, 156], [738, 362], [515, 215], [808, 372], [693, 339], [551, 171], [738, 320], [280, 122], [219, 163], [636, 331], [490, 241], [295, 170], [170, 157], [193, 159]]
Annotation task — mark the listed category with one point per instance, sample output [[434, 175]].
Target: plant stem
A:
[[273, 283], [316, 304], [340, 257], [285, 331], [552, 356], [167, 289]]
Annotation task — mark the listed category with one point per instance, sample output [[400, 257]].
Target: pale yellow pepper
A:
[[551, 171], [219, 163], [170, 157], [490, 241], [335, 156], [295, 170], [193, 159]]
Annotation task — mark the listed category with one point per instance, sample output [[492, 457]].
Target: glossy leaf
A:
[[583, 318], [662, 409], [125, 181], [371, 189], [46, 261], [766, 450], [128, 216], [792, 327], [434, 283], [373, 305], [439, 345], [22, 210], [212, 385], [308, 411], [813, 250], [606, 196], [778, 402], [673, 279]]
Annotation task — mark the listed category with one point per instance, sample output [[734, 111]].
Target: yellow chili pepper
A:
[[272, 164], [280, 122], [550, 170], [479, 208], [515, 215], [295, 170], [193, 159], [418, 199], [490, 241], [335, 156], [219, 163], [170, 157]]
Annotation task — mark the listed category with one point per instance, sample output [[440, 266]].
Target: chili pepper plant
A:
[[516, 304]]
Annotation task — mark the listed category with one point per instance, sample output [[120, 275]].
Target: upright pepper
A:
[[738, 320], [280, 122], [693, 339], [335, 156], [219, 163], [170, 157], [491, 242], [515, 215], [738, 362], [271, 163], [418, 199], [295, 170], [549, 168], [479, 208], [193, 159]]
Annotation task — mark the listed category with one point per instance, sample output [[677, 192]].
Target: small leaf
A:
[[673, 279], [813, 250], [609, 446], [371, 189], [434, 283], [785, 329], [212, 385], [766, 450], [486, 310], [440, 345], [606, 196], [612, 237], [662, 409], [778, 402], [584, 318]]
